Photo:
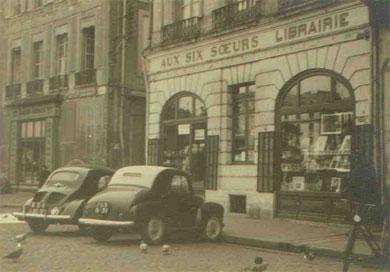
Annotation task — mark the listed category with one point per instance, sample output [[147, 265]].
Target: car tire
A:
[[101, 234], [212, 229], [153, 231], [37, 226]]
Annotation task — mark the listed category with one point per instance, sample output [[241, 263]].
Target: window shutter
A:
[[212, 151], [154, 151], [265, 162], [364, 140]]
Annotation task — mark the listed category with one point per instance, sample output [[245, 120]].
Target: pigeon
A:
[[309, 256], [143, 247], [258, 260], [258, 267], [21, 237], [14, 255], [166, 249]]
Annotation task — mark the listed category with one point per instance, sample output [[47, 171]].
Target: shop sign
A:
[[199, 134], [262, 39], [183, 129]]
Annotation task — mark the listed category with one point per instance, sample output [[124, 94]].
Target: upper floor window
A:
[[37, 3], [17, 7], [243, 123], [15, 64], [37, 59], [62, 54], [88, 60], [191, 8]]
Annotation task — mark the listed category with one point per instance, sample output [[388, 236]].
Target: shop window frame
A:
[[344, 105], [248, 96]]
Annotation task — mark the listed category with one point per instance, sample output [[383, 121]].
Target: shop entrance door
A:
[[184, 148], [184, 126]]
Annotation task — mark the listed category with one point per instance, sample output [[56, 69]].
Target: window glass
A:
[[243, 123], [185, 108], [170, 112], [62, 52], [64, 179], [291, 98], [88, 48], [16, 61], [341, 91], [200, 109], [315, 89], [37, 59]]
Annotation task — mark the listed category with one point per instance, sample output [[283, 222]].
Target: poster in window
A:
[[183, 129], [199, 134], [298, 183], [335, 184], [331, 124]]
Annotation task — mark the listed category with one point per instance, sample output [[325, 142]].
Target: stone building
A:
[[265, 102], [73, 87]]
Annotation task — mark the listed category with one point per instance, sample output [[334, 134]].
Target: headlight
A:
[[55, 211]]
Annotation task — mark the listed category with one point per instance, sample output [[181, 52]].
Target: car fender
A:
[[146, 209], [74, 208], [26, 204], [209, 209]]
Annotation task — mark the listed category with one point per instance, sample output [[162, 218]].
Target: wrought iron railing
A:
[[180, 31], [34, 87], [58, 82], [236, 14], [288, 5], [13, 91], [85, 77]]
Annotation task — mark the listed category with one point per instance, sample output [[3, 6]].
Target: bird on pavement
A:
[[309, 256], [259, 266], [14, 255], [143, 247], [21, 237], [166, 249]]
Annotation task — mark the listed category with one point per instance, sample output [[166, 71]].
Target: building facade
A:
[[266, 102], [74, 90]]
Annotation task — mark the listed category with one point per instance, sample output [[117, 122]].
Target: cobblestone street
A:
[[63, 248]]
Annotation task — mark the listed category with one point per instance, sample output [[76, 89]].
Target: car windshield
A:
[[64, 179], [130, 178]]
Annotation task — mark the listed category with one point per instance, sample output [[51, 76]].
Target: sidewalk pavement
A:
[[325, 239], [15, 199]]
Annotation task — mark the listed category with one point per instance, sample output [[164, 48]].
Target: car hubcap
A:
[[155, 228], [213, 229]]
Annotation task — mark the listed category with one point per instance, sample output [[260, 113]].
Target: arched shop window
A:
[[316, 116], [183, 127]]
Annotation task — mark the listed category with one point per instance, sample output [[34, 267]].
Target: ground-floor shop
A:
[[72, 127], [270, 129]]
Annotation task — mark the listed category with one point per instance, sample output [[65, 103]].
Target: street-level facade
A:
[[74, 90], [263, 102]]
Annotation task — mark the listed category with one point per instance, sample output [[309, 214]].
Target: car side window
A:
[[179, 184]]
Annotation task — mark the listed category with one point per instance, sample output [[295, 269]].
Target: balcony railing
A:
[[58, 82], [288, 5], [236, 14], [180, 31], [34, 87], [13, 91], [85, 77]]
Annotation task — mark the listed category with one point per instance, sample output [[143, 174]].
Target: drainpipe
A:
[[123, 82]]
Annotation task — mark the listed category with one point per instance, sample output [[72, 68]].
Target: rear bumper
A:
[[107, 223], [45, 217]]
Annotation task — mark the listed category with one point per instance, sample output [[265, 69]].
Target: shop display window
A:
[[316, 145]]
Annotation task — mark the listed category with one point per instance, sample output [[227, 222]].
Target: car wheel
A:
[[37, 226], [153, 231], [101, 234], [213, 229]]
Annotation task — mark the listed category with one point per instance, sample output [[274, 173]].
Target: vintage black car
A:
[[151, 201], [62, 197]]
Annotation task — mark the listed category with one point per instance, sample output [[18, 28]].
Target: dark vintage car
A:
[[62, 197], [151, 201]]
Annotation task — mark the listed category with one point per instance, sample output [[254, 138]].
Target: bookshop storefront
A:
[[315, 120]]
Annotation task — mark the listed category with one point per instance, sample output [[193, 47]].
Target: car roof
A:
[[148, 172], [85, 168]]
